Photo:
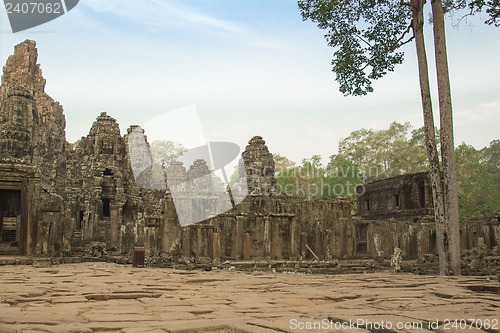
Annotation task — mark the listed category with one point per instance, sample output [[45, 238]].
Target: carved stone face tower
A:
[[259, 166], [32, 157], [18, 117], [100, 163]]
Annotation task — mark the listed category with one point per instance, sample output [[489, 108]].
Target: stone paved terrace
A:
[[104, 297]]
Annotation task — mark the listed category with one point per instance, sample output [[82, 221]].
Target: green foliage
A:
[[282, 163], [385, 153], [233, 179], [367, 155], [305, 180], [312, 180], [490, 7], [478, 179], [165, 151], [218, 184], [366, 36], [342, 178]]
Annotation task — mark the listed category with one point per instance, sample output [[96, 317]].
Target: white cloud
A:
[[155, 15], [162, 14]]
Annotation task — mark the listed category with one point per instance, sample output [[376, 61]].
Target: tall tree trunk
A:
[[429, 131], [450, 185]]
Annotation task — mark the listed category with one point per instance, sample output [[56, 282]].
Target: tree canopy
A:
[[490, 7], [386, 153], [478, 174], [367, 155], [166, 151], [366, 38]]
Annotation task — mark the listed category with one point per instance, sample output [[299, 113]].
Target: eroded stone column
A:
[[114, 225]]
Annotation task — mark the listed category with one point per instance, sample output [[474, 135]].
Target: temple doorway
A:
[[10, 221]]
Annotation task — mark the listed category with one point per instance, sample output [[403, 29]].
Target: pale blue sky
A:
[[249, 67]]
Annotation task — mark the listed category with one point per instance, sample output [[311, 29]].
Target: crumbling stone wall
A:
[[283, 227], [267, 225], [406, 195], [398, 213], [377, 238]]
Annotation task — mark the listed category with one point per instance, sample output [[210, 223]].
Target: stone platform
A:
[[104, 297]]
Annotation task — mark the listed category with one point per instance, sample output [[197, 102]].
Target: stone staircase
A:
[[7, 250]]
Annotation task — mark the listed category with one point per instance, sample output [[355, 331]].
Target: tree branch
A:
[[363, 40], [396, 43]]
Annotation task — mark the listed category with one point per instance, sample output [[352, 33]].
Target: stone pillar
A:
[[171, 229], [186, 242], [422, 243], [215, 247], [247, 249], [41, 244], [26, 243], [350, 236], [318, 244], [238, 252], [267, 238], [293, 237], [114, 226], [28, 195]]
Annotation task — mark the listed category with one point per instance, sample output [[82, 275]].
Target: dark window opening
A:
[[360, 189], [107, 172], [361, 239], [493, 241], [9, 236], [421, 192], [361, 232], [79, 225], [367, 204], [362, 248], [10, 213], [432, 242], [395, 200], [106, 207], [9, 229], [152, 222]]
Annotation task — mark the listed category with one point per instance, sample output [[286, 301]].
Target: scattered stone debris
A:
[[397, 259]]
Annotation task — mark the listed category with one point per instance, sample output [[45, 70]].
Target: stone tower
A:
[[18, 116], [32, 157], [100, 165], [200, 178], [259, 166], [32, 124]]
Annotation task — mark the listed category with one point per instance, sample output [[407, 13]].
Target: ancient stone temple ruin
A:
[[62, 199], [272, 226], [398, 213], [58, 198]]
